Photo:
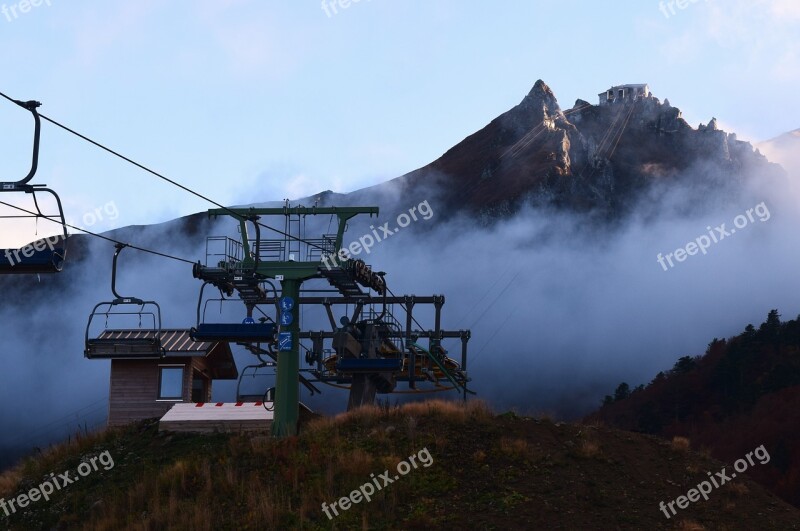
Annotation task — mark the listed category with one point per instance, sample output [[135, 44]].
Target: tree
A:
[[771, 328], [684, 364], [715, 343], [660, 377], [623, 391]]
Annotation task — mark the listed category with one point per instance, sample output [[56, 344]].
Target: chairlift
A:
[[43, 256], [141, 343], [248, 331]]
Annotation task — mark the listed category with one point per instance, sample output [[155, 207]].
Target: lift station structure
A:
[[367, 352]]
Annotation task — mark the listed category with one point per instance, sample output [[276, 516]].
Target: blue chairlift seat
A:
[[244, 333], [12, 261]]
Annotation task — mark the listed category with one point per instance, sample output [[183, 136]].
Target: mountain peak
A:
[[591, 157], [540, 88], [541, 98]]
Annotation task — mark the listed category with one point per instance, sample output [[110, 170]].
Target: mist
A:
[[561, 308]]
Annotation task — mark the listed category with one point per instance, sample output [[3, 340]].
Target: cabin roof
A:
[[177, 343]]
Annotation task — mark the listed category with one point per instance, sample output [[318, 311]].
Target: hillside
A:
[[475, 471], [742, 393]]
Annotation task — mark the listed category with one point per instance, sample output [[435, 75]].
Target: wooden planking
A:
[[226, 417], [212, 426], [226, 411]]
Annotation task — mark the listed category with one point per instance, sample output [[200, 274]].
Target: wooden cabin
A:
[[143, 388]]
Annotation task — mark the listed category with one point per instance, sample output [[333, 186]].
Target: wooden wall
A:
[[133, 393]]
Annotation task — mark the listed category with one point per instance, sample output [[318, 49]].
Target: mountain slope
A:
[[480, 472], [744, 392]]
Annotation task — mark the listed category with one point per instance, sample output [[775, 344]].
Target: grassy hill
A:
[[472, 470]]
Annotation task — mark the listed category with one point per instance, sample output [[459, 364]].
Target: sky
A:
[[249, 101]]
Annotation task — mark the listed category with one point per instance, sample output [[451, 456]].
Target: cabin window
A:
[[170, 383]]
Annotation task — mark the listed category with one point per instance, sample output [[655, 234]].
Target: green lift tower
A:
[[290, 260], [370, 352]]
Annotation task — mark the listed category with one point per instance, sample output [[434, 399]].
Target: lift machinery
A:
[[370, 351]]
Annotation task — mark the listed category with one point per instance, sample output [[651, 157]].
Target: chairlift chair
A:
[[249, 331], [141, 343], [43, 256]]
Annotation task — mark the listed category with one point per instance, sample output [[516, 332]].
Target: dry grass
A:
[[179, 494], [457, 412], [590, 449], [689, 525], [680, 444], [356, 462], [193, 482], [9, 481], [47, 461], [515, 448], [454, 411]]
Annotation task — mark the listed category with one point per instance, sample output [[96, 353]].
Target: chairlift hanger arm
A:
[[248, 256], [119, 247], [50, 260], [22, 184]]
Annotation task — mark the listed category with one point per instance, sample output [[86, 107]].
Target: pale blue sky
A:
[[251, 101]]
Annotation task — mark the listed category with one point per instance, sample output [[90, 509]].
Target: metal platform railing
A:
[[222, 251]]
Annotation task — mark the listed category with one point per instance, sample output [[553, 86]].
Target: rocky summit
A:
[[587, 158]]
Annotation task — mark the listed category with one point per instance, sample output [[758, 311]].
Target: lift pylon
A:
[[291, 260]]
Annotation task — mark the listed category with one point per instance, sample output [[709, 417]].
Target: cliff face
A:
[[587, 158]]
